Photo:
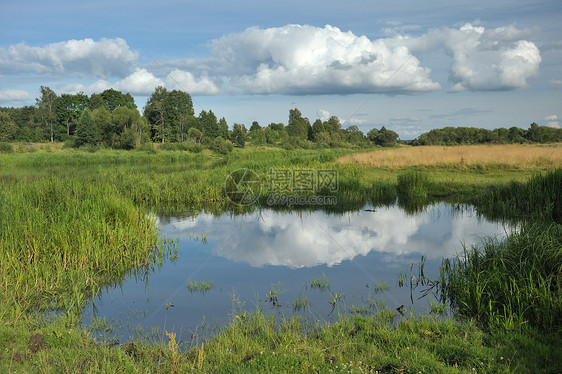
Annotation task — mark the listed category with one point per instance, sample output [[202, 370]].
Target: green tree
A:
[[115, 99], [354, 135], [255, 126], [383, 137], [155, 112], [46, 106], [223, 128], [297, 126], [87, 132], [8, 128], [130, 128], [239, 135], [107, 131], [195, 135], [257, 136], [69, 108], [219, 145], [209, 124]]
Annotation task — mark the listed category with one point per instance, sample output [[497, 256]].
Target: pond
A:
[[311, 263]]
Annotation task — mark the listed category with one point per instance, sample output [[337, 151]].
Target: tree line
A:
[[111, 119], [473, 135]]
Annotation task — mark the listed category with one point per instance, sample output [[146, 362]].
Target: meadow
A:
[[72, 221]]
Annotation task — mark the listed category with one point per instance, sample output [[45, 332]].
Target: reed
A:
[[62, 239], [482, 157]]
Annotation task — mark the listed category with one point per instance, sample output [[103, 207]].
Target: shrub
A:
[[6, 147]]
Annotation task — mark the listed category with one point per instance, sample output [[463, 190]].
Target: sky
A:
[[408, 65]]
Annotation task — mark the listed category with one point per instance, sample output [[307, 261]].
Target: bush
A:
[[219, 145], [69, 143], [6, 147]]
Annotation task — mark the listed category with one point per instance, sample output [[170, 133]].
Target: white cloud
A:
[[185, 81], [483, 60], [294, 60], [552, 121], [315, 238], [14, 96], [323, 115], [140, 82], [103, 58]]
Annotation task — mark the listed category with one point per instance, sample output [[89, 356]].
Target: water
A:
[[250, 257]]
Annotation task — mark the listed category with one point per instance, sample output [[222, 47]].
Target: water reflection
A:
[[308, 239], [246, 256]]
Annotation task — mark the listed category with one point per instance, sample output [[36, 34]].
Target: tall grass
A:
[[512, 284], [539, 198], [517, 156], [62, 238], [517, 282]]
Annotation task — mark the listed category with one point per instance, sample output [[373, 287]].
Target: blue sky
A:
[[409, 65]]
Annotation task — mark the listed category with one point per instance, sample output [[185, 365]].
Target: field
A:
[[72, 221], [512, 156]]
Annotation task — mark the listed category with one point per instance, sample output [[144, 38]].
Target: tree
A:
[[155, 112], [69, 108], [8, 128], [223, 128], [86, 131], [255, 126], [209, 124], [386, 138], [354, 135], [257, 136], [195, 135], [239, 135], [131, 129], [113, 99], [297, 126], [47, 107]]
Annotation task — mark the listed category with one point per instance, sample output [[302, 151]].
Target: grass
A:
[[483, 157], [64, 236], [201, 287], [320, 283], [512, 284], [257, 343]]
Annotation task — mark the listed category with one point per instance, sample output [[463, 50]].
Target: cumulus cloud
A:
[[104, 58], [552, 121], [482, 60], [186, 81], [297, 59], [14, 96], [140, 82]]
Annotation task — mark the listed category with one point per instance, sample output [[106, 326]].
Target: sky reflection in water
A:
[[246, 256]]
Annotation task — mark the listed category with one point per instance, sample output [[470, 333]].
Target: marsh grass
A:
[[511, 284], [201, 286], [483, 157], [320, 283], [538, 198], [62, 239]]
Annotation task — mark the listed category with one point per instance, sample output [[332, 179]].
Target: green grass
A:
[[320, 283], [258, 344], [201, 286], [511, 284], [65, 231]]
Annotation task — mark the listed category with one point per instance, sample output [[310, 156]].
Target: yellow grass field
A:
[[516, 156]]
